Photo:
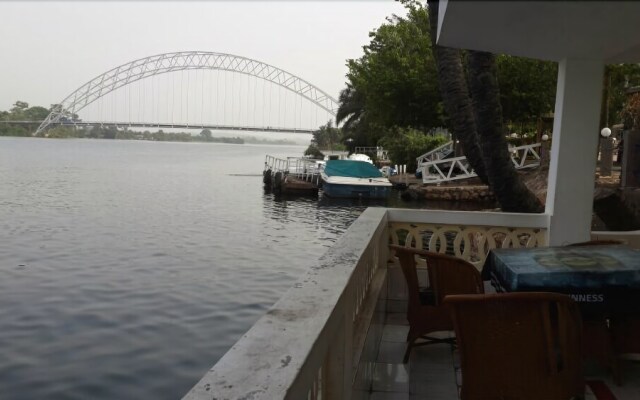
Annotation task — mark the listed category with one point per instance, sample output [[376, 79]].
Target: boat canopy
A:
[[351, 168]]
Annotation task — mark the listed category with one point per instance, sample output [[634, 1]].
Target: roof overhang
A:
[[602, 30]]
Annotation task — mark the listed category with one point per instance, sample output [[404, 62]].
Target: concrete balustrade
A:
[[304, 347], [466, 234]]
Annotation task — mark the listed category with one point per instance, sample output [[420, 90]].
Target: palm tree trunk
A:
[[512, 194], [455, 95]]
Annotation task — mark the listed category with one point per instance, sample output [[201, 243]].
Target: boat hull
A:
[[355, 191], [354, 179]]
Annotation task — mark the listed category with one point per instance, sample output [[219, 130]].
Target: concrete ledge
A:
[[279, 357], [469, 218]]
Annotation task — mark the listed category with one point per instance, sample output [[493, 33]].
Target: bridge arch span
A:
[[142, 68]]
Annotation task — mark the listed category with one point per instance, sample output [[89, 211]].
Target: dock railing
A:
[[526, 156], [451, 169], [436, 154], [302, 168], [313, 341], [275, 164]]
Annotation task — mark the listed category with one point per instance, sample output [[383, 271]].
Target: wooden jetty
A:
[[294, 175]]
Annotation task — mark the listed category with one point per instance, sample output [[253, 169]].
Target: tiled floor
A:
[[433, 371]]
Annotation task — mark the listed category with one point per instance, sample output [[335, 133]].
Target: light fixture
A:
[[605, 132], [545, 137]]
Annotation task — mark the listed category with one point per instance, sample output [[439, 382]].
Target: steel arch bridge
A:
[[178, 61]]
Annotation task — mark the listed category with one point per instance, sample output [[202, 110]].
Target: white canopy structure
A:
[[582, 37]]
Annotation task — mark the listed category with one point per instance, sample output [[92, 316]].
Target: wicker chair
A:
[[425, 312], [522, 346]]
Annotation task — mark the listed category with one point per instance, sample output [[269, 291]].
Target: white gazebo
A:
[[582, 37]]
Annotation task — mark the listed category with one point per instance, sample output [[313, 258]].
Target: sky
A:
[[48, 48]]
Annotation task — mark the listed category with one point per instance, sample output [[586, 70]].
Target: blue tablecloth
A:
[[605, 277]]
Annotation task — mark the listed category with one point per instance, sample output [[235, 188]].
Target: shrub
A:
[[314, 152], [631, 112], [404, 145]]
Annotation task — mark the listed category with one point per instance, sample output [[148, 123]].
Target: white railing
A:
[[450, 169], [525, 156], [310, 344], [303, 168], [275, 164], [436, 154]]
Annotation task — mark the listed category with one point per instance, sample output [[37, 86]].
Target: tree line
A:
[[404, 87], [21, 111]]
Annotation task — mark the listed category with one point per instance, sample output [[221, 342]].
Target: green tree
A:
[[328, 137], [527, 90], [206, 135], [314, 152], [394, 83], [36, 113], [352, 108], [102, 132], [14, 130], [19, 107], [63, 132], [617, 79], [404, 145]]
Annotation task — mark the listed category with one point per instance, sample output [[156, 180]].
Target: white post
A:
[[573, 150]]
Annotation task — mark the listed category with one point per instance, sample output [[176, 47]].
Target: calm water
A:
[[129, 268]]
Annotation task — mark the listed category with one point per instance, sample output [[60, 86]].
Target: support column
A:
[[606, 156], [573, 152]]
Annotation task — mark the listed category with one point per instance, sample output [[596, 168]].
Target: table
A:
[[602, 279]]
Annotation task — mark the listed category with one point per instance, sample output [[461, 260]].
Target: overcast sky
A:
[[48, 49]]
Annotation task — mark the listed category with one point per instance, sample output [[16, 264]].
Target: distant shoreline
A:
[[168, 137], [193, 139]]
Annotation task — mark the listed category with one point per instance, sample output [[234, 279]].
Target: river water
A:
[[129, 268]]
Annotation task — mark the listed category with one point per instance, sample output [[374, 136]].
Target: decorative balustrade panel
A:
[[470, 242]]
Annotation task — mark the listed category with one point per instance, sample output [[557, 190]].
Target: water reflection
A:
[[341, 212]]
